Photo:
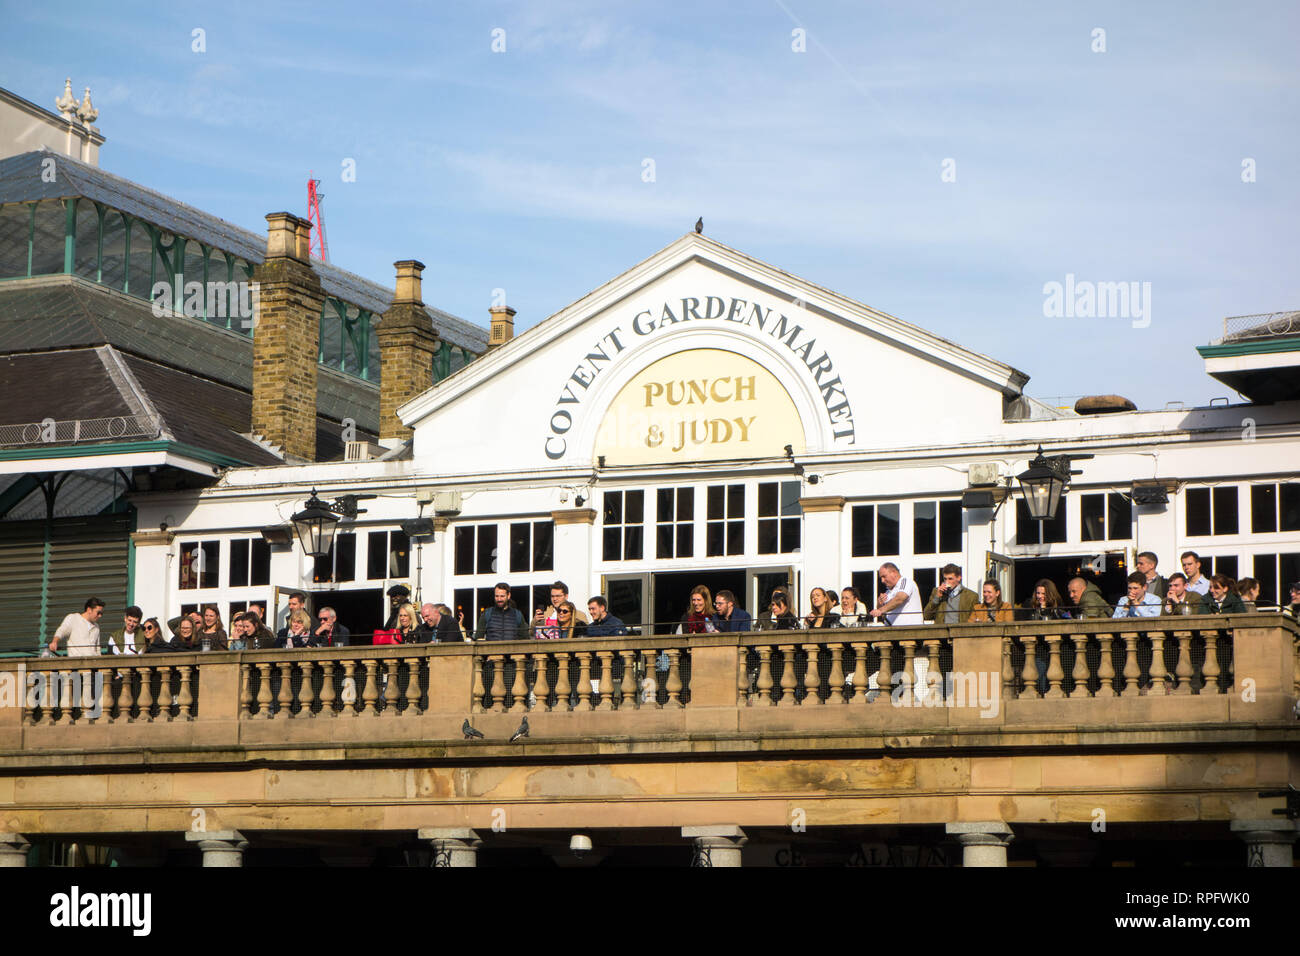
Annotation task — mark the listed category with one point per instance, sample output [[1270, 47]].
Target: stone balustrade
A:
[[108, 690]]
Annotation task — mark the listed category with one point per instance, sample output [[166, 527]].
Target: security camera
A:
[[579, 844]]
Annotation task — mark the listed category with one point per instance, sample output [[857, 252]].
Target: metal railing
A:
[[69, 432], [1265, 324]]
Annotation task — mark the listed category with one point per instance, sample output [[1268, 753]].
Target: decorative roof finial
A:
[[87, 112], [67, 103]]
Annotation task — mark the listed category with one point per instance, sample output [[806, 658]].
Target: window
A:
[[1105, 517], [725, 525], [531, 544], [1211, 511], [865, 582], [1220, 564], [388, 555], [675, 528], [1275, 574], [623, 534], [1029, 531], [778, 517], [250, 562], [875, 530], [199, 564], [936, 527], [925, 579], [341, 563], [476, 550], [1275, 508]]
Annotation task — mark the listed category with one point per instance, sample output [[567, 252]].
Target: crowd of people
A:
[[1148, 594]]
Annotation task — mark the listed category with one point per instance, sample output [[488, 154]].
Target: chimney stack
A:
[[502, 327], [286, 339], [407, 342]]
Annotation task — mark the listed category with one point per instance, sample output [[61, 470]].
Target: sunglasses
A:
[[150, 627]]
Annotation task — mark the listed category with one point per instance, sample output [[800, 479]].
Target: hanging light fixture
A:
[[1043, 483], [316, 523]]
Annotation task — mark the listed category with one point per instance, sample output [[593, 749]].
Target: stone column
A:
[[13, 849], [452, 846], [573, 550], [407, 342], [823, 520], [716, 845], [220, 847], [982, 844], [286, 341], [154, 574], [1268, 841], [433, 566]]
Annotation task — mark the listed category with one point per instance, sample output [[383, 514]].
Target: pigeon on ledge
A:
[[521, 732], [469, 732], [699, 225]]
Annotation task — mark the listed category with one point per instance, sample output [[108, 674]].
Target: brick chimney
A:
[[286, 339], [502, 327], [407, 341]]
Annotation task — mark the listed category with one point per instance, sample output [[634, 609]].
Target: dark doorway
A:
[[361, 612], [1059, 571], [672, 592]]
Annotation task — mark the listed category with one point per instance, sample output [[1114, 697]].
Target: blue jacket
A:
[[740, 620], [609, 626], [497, 625]]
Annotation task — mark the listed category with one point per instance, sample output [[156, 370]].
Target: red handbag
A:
[[387, 637]]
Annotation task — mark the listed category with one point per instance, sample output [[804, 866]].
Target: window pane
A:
[[613, 507], [377, 553], [464, 561], [1121, 517], [949, 526], [633, 543], [141, 249], [717, 502], [611, 544], [865, 582], [463, 603], [114, 261], [767, 499], [685, 541], [322, 567], [664, 500], [1225, 510], [887, 525], [925, 580], [664, 541], [1288, 573], [735, 501], [789, 535], [1054, 530], [399, 554], [735, 537], [634, 507], [15, 225], [486, 562], [864, 530], [211, 555], [543, 545], [239, 563], [47, 250], [790, 491], [1226, 564], [715, 539], [260, 570], [189, 577], [345, 557], [86, 249], [767, 536], [685, 504], [1266, 574], [521, 546], [1263, 508], [1027, 529], [1198, 511], [924, 527], [1290, 507], [1092, 514]]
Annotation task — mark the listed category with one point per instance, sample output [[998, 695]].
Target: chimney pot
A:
[[502, 327], [304, 239], [408, 281], [281, 235]]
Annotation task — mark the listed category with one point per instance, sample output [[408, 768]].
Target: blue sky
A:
[[523, 169]]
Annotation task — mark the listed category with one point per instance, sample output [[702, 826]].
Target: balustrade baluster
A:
[[164, 692], [788, 683], [1131, 670], [264, 690], [245, 691], [1106, 668], [306, 691], [563, 685], [674, 701], [1080, 671], [837, 675], [126, 699], [628, 696], [284, 699], [1055, 673], [498, 684], [1009, 690], [391, 690], [145, 701], [884, 670], [767, 693], [412, 691], [1029, 672], [742, 676], [909, 671], [87, 688], [370, 695], [858, 693], [584, 680], [1183, 669], [1159, 674], [64, 679], [477, 704], [1210, 670], [519, 687], [812, 678], [933, 676], [606, 659], [349, 696], [327, 694], [542, 684], [106, 700]]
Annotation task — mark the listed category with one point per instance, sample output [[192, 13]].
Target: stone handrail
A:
[[1020, 671]]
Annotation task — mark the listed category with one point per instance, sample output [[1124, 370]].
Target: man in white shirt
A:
[[900, 604], [81, 630], [1192, 568]]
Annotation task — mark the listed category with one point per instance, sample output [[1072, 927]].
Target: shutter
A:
[[22, 546]]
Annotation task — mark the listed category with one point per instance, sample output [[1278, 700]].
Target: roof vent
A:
[[362, 451], [1103, 405]]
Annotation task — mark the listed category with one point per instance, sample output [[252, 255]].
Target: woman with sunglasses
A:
[[157, 644], [569, 624]]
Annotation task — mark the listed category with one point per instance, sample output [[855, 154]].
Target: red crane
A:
[[319, 248]]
